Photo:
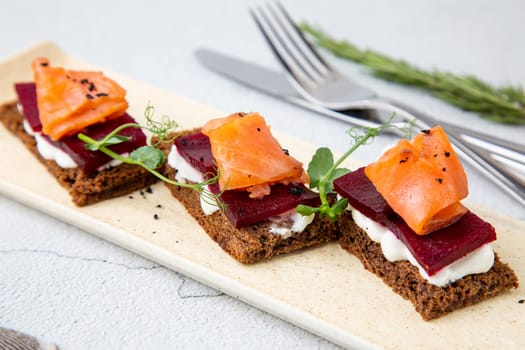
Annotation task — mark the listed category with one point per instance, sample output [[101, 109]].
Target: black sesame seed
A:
[[149, 190], [201, 159], [44, 64], [286, 151], [296, 190], [91, 87], [130, 197], [155, 216], [426, 131], [444, 169], [440, 180], [259, 129], [101, 94], [403, 160], [521, 301], [84, 81], [435, 155], [159, 205], [184, 142], [89, 96], [447, 154]]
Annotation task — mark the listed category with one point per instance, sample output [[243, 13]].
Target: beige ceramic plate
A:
[[323, 290]]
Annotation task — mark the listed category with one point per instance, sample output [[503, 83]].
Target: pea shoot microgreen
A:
[[323, 170], [149, 157]]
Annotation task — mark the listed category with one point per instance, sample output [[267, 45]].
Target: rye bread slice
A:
[[253, 243], [84, 188], [430, 301]]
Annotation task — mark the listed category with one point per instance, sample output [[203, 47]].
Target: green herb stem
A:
[[148, 157], [90, 141], [326, 178], [323, 170], [198, 187], [499, 104]]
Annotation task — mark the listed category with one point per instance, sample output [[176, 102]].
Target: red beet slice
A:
[[239, 208], [27, 97], [196, 150], [433, 251], [89, 161], [441, 248], [362, 195], [242, 210]]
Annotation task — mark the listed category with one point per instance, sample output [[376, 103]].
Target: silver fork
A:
[[318, 82]]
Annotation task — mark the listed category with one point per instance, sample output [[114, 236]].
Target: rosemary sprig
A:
[[149, 157], [323, 170], [504, 104]]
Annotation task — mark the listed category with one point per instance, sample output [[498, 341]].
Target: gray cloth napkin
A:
[[13, 340]]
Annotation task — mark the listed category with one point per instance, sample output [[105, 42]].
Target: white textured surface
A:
[[61, 284]]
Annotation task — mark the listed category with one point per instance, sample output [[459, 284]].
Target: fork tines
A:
[[294, 51]]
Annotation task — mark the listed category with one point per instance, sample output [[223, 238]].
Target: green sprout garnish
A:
[[323, 170], [150, 157]]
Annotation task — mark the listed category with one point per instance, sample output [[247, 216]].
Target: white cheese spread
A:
[[290, 222], [185, 172], [51, 152], [209, 204]]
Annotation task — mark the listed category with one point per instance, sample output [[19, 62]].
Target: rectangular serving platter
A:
[[323, 290]]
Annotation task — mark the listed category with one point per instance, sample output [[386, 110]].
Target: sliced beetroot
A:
[[27, 97], [89, 161], [362, 195], [242, 210], [441, 248], [196, 150], [239, 208], [433, 251]]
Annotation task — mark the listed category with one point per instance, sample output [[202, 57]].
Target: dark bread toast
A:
[[429, 300], [252, 243], [84, 188]]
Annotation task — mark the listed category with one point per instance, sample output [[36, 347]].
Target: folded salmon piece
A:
[[248, 157], [69, 101], [422, 180]]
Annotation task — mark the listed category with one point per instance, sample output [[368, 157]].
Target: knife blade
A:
[[269, 82]]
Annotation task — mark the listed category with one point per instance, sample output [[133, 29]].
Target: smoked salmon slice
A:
[[248, 157], [69, 101], [422, 180]]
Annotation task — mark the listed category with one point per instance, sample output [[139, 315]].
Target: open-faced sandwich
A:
[[406, 224], [58, 105], [259, 183]]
